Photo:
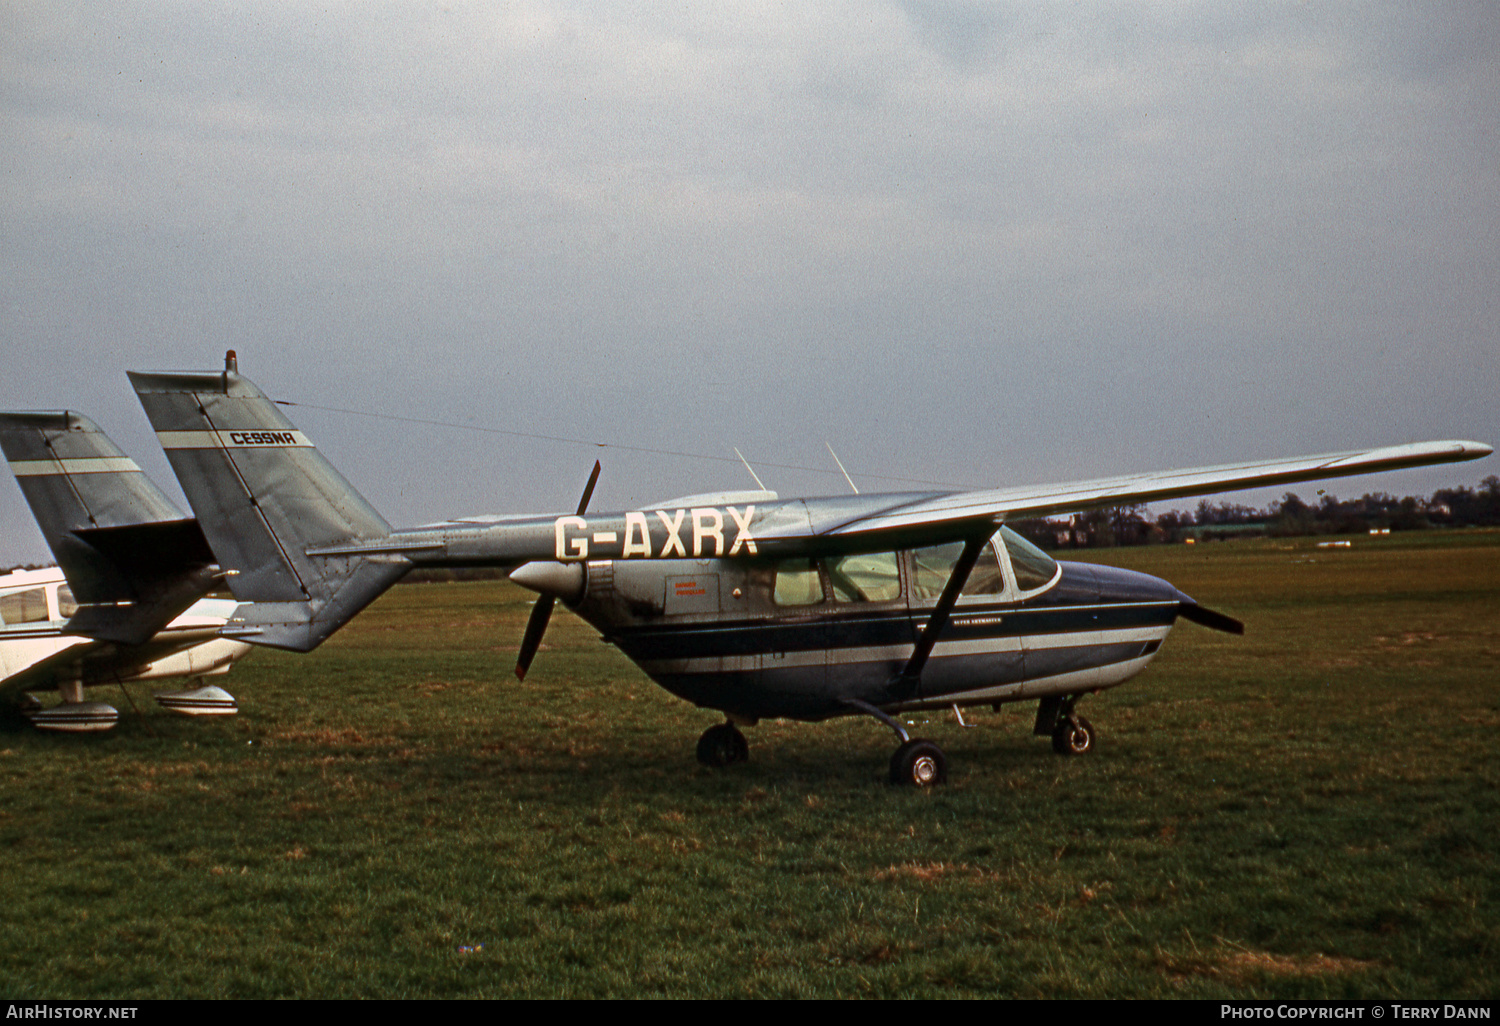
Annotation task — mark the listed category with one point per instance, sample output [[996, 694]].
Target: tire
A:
[[723, 745], [1073, 736], [919, 763]]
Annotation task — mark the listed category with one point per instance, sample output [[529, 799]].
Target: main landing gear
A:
[[919, 763], [723, 745]]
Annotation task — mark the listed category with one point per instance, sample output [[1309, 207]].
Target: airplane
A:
[[740, 602], [127, 599]]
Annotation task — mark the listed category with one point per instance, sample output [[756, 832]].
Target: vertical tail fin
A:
[[265, 496], [132, 560]]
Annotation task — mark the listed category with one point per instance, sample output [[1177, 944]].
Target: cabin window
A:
[[797, 583], [67, 605], [27, 606], [867, 577], [1033, 567], [932, 566]]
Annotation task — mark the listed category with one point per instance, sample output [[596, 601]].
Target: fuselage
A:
[[38, 654], [800, 637]]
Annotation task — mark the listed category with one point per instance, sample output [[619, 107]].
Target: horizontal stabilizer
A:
[[169, 566], [275, 624], [135, 623], [303, 626], [141, 550]]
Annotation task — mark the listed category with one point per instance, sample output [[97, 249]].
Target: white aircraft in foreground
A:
[[127, 601]]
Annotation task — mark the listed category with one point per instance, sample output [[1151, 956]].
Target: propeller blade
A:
[[541, 613], [1210, 619], [588, 489], [532, 639]]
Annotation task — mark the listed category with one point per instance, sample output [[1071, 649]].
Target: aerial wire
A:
[[615, 445]]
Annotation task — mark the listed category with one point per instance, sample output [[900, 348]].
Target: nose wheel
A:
[[1073, 735], [723, 745]]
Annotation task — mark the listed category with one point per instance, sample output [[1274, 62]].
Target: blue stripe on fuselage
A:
[[874, 629]]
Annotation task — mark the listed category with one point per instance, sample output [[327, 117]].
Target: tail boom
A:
[[266, 497]]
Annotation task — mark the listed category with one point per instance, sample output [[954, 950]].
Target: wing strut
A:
[[905, 684]]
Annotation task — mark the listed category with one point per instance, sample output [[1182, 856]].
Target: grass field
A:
[[1307, 811]]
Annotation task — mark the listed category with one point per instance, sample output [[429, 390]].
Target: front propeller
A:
[[1210, 618], [543, 574]]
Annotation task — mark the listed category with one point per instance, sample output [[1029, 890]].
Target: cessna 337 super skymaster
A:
[[126, 601], [742, 602]]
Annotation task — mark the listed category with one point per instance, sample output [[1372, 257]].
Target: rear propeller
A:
[[541, 612]]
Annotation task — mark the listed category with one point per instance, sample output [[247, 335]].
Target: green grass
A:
[[1308, 811]]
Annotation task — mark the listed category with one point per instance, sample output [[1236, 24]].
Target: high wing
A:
[[1011, 504]]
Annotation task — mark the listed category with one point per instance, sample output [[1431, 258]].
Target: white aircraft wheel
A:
[[1073, 737], [723, 745], [919, 763]]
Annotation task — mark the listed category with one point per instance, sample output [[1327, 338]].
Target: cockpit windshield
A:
[[1033, 568]]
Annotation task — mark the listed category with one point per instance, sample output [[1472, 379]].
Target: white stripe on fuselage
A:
[[1095, 678]]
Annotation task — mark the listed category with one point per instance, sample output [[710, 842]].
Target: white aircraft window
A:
[[868, 577], [797, 583], [1033, 567], [934, 565], [66, 604], [27, 606]]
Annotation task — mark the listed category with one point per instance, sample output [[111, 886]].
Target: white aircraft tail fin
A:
[[264, 497]]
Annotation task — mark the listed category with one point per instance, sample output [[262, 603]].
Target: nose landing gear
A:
[[1073, 735], [723, 745]]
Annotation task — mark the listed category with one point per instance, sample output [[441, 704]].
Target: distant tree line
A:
[[1291, 516]]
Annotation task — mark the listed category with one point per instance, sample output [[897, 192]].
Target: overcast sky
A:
[[977, 244]]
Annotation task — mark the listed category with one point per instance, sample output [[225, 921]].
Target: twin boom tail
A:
[[267, 500]]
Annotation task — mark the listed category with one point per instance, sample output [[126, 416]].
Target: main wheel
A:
[[1073, 736], [723, 745], [920, 764]]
